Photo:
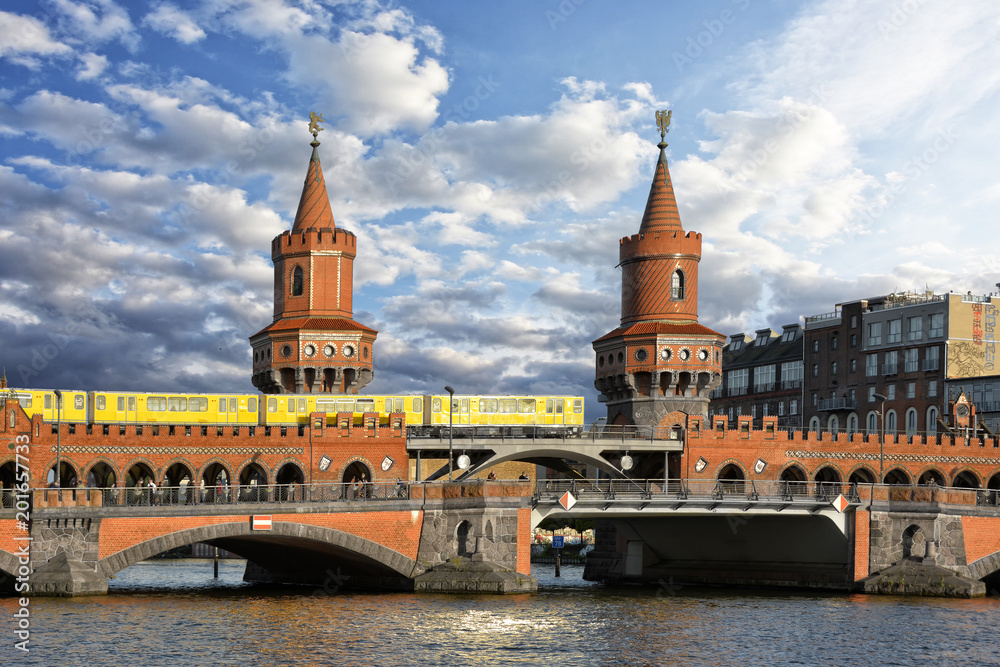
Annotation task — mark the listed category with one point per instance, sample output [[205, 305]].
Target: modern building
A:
[[660, 364], [762, 376], [314, 344]]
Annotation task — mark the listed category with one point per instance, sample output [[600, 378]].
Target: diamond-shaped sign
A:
[[840, 503], [567, 500]]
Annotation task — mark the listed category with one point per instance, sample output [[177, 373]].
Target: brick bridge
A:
[[376, 536]]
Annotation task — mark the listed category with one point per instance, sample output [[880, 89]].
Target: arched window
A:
[[873, 423], [911, 421], [814, 424], [932, 417], [297, 281], [852, 424], [890, 421], [677, 286], [833, 424]]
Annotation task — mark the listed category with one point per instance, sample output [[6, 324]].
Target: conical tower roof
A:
[[314, 205], [661, 208]]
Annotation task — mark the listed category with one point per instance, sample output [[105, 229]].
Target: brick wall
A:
[[982, 536], [862, 537]]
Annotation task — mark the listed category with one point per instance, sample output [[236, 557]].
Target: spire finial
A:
[[663, 122], [3, 379], [314, 120]]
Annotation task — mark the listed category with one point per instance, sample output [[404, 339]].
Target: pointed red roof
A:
[[661, 208], [314, 205]]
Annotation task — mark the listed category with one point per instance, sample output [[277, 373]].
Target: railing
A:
[[519, 433], [889, 369], [930, 364], [827, 404], [772, 492], [791, 384], [908, 300], [192, 496]]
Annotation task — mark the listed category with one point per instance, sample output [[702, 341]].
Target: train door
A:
[[126, 408], [463, 411], [229, 410], [50, 409]]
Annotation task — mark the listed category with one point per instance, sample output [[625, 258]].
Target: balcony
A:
[[830, 404], [791, 384], [889, 369], [912, 366], [763, 387], [930, 364]]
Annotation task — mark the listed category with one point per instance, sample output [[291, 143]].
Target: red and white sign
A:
[[841, 503], [567, 500], [260, 522]]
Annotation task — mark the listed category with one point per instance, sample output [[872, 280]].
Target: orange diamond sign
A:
[[841, 503], [567, 500]]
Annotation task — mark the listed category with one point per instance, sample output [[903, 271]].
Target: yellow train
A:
[[425, 414]]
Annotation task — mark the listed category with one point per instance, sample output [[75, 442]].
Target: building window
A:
[[791, 374], [914, 328], [875, 333], [833, 368], [891, 365], [677, 286], [932, 418], [890, 421], [854, 340], [816, 346], [834, 341], [853, 365], [932, 389], [815, 370], [936, 329], [895, 333], [297, 281], [793, 406], [815, 400], [871, 394], [763, 377], [911, 389], [911, 357], [911, 421], [781, 408], [932, 358], [871, 365], [890, 392], [852, 396], [738, 381], [854, 321]]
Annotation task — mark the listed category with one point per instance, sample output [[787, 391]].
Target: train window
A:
[[464, 406], [272, 405], [436, 404], [177, 404], [101, 402], [302, 405], [366, 405], [487, 405], [121, 403], [48, 401], [252, 405], [222, 405], [559, 406], [78, 401], [131, 403], [156, 403], [291, 405], [526, 405], [418, 405], [508, 406], [25, 401], [198, 404], [232, 405], [345, 405], [578, 405], [548, 406]]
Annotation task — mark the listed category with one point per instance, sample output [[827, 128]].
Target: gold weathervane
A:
[[314, 120], [663, 122]]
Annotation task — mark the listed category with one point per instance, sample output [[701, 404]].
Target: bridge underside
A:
[[738, 549]]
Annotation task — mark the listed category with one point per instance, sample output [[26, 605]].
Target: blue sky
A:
[[488, 156]]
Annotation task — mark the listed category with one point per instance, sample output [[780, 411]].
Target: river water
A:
[[176, 613]]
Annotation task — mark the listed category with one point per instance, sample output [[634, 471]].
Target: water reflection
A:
[[166, 612]]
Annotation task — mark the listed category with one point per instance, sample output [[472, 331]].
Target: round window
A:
[[600, 361], [621, 357], [309, 349], [329, 350], [348, 350], [684, 354], [641, 354], [364, 352], [703, 355], [665, 354], [286, 350]]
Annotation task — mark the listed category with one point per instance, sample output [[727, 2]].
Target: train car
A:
[[43, 402], [109, 407], [515, 415], [294, 409]]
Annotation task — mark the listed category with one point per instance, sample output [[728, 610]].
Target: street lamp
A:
[[58, 476], [881, 440], [451, 412]]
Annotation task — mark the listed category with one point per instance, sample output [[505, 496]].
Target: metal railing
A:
[[519, 433]]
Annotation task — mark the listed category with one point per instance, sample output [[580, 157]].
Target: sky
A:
[[488, 156]]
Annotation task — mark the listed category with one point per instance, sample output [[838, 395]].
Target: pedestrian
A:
[[354, 488], [152, 491], [523, 476]]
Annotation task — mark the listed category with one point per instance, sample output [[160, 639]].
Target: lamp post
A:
[[451, 412], [57, 478], [881, 440]]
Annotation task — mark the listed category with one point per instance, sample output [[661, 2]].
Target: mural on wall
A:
[[972, 343]]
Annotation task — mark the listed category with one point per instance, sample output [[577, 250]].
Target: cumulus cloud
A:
[[174, 22]]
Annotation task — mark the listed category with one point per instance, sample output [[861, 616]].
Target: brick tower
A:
[[313, 344], [659, 365]]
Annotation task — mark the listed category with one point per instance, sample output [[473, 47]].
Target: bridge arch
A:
[[731, 470], [994, 481], [289, 471], [897, 476], [102, 472], [176, 470], [357, 467], [828, 472], [8, 472], [251, 470], [985, 566], [553, 452], [792, 472], [9, 564], [931, 475], [966, 479], [861, 474], [69, 471], [281, 534], [137, 470], [214, 469]]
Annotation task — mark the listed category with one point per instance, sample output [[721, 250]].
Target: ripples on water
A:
[[175, 613]]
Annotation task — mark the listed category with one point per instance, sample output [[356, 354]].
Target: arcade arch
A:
[[896, 476]]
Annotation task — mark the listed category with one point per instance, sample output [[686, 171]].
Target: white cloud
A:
[[91, 66], [168, 19], [96, 21], [26, 35]]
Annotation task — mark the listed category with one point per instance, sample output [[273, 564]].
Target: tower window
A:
[[297, 281], [677, 286]]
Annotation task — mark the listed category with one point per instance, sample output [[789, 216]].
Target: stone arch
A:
[[139, 470], [985, 566], [8, 472], [212, 469], [994, 481], [897, 476], [69, 472], [913, 541], [395, 561], [792, 472], [246, 473], [547, 451], [9, 563], [355, 467], [103, 472], [966, 479], [289, 479], [175, 470], [931, 475], [464, 535], [730, 470], [861, 474], [828, 473]]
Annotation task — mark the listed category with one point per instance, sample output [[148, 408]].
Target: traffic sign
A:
[[841, 503], [567, 500], [260, 522], [558, 541]]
